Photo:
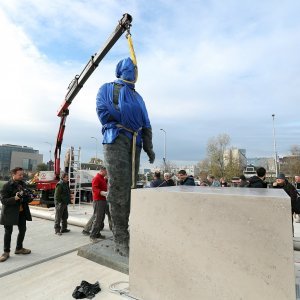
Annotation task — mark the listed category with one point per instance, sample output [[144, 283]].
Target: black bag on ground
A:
[[86, 290]]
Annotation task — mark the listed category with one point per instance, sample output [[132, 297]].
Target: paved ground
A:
[[53, 269]]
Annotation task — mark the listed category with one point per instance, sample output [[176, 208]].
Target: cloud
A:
[[204, 68]]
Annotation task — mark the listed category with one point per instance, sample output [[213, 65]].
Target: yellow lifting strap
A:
[[133, 57], [134, 134]]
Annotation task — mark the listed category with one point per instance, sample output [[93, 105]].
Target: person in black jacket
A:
[[282, 183], [169, 181], [258, 181], [15, 211], [62, 198], [157, 181], [185, 179]]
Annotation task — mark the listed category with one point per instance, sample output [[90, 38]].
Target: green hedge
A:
[[1, 183]]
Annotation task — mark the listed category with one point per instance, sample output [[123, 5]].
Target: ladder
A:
[[74, 175]]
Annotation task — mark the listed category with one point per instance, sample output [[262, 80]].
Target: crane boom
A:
[[79, 80]]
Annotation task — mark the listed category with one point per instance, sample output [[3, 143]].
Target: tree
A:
[[41, 167], [169, 168], [204, 167], [291, 164], [295, 150], [96, 161], [233, 166], [216, 148]]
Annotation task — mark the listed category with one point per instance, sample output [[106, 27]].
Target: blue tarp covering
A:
[[131, 111]]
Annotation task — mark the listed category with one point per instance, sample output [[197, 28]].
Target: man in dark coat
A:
[[62, 198], [15, 211], [282, 183], [185, 179], [258, 181]]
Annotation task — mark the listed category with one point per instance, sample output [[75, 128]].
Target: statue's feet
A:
[[122, 249]]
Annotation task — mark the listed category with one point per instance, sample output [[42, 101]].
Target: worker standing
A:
[[99, 188], [62, 198]]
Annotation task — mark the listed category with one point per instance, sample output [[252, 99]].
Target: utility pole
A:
[[275, 148], [49, 154], [165, 150], [96, 140]]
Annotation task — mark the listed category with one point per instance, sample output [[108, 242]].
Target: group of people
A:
[[158, 182], [183, 179], [62, 198], [15, 209]]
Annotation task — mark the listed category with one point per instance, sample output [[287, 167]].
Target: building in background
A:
[[237, 156], [266, 162], [12, 156], [192, 170]]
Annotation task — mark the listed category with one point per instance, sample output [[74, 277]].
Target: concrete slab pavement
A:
[[45, 245], [40, 238], [56, 279], [53, 270]]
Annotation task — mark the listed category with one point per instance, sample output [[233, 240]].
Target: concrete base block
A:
[[103, 253], [211, 243]]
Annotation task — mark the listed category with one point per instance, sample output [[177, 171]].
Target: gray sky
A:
[[205, 68]]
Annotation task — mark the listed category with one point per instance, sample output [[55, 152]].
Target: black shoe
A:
[[99, 236], [65, 230], [58, 232], [85, 232]]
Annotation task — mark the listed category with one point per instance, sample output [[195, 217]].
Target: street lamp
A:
[[275, 149], [165, 149], [96, 140], [49, 154]]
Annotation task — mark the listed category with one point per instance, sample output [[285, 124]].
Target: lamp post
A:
[[275, 148], [96, 140], [49, 154], [165, 149]]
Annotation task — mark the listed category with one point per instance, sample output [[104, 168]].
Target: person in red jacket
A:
[[99, 189]]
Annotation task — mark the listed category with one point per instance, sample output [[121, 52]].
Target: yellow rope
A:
[[134, 134], [131, 49], [133, 58]]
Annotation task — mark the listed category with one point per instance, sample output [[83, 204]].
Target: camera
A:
[[26, 195]]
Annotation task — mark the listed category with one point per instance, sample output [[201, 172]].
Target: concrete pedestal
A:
[[211, 243]]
